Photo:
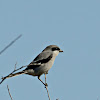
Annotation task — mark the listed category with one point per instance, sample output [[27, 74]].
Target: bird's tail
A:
[[12, 75], [15, 74]]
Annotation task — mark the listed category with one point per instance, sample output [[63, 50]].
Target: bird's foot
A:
[[46, 84]]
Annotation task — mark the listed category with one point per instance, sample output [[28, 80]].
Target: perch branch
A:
[[47, 88], [47, 92]]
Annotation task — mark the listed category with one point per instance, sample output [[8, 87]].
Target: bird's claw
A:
[[46, 84]]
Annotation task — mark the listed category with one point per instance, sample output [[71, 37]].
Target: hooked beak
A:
[[60, 51]]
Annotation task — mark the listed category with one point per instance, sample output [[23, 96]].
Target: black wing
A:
[[43, 57]]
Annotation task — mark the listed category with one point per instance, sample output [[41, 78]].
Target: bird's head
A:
[[53, 48]]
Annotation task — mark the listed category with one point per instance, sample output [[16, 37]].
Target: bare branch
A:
[[3, 78], [9, 93], [10, 44], [47, 88], [47, 92]]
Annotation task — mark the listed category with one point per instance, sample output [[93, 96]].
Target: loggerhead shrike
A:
[[42, 63]]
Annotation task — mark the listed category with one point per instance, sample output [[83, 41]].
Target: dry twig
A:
[[47, 92], [9, 93], [47, 88]]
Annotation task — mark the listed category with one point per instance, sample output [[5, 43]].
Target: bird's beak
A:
[[60, 51]]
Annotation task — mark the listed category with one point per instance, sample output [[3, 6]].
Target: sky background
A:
[[73, 25]]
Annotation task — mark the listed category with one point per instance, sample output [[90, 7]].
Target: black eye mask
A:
[[53, 49]]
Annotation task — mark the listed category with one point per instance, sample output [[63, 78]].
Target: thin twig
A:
[[15, 66], [47, 88], [10, 44], [3, 78], [9, 93], [47, 92]]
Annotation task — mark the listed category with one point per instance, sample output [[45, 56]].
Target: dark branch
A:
[[10, 44]]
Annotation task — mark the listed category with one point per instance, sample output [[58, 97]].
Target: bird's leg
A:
[[42, 81], [45, 81], [45, 78]]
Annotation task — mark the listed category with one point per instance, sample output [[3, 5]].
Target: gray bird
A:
[[41, 64]]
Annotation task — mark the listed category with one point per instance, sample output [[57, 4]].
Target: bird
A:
[[41, 64]]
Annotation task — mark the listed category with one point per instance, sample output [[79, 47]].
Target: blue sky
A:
[[72, 25]]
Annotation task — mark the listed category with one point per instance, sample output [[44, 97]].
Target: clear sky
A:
[[73, 25]]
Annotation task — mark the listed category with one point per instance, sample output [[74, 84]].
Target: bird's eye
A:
[[53, 49]]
